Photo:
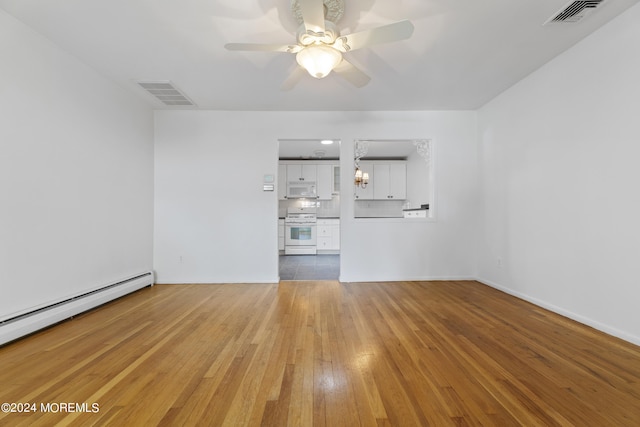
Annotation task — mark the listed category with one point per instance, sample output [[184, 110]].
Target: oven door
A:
[[300, 235]]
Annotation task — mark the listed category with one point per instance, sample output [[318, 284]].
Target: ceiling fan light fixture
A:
[[318, 59], [319, 46]]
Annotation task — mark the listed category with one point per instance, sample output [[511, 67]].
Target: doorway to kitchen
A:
[[309, 209]]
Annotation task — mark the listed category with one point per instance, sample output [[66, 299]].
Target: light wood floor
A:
[[323, 353]]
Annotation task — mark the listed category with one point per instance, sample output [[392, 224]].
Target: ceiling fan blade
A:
[[397, 31], [351, 73], [293, 79], [255, 47], [313, 14]]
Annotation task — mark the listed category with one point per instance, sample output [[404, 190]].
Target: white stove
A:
[[300, 231]]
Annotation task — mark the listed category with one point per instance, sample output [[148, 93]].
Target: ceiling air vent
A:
[[166, 93], [574, 11]]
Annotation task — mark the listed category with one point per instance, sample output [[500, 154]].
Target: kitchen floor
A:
[[309, 267]]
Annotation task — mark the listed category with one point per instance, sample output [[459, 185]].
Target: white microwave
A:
[[301, 189]]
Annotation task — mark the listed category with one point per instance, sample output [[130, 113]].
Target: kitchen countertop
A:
[[320, 217], [421, 208]]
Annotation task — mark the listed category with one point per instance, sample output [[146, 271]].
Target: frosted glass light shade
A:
[[361, 178], [318, 60]]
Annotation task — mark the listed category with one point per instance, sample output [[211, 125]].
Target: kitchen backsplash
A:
[[324, 208], [379, 208], [331, 208]]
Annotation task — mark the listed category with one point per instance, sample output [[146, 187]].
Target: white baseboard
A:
[[217, 282], [559, 310], [357, 279], [27, 323]]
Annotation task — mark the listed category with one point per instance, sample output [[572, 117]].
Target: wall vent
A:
[[575, 11], [166, 92]]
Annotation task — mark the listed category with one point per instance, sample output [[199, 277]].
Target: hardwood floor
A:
[[322, 353]]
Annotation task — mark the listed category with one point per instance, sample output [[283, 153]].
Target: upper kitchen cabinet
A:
[[324, 181], [366, 192], [301, 172], [282, 182], [320, 172], [389, 181]]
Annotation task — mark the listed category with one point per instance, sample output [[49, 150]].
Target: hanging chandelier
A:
[[361, 178]]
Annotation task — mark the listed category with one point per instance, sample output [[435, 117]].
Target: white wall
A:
[[213, 222], [560, 183], [76, 175], [397, 249]]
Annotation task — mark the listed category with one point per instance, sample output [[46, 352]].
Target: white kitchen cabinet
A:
[[324, 181], [415, 214], [323, 173], [282, 182], [335, 183], [281, 234], [367, 192], [301, 172], [398, 180], [328, 234], [389, 181]]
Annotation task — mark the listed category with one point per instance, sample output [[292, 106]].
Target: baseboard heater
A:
[[29, 322]]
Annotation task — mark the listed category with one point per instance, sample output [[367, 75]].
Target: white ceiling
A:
[[462, 52], [308, 149]]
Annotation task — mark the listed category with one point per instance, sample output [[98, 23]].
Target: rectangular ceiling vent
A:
[[166, 92], [575, 11]]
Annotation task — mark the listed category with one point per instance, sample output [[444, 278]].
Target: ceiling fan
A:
[[320, 46]]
